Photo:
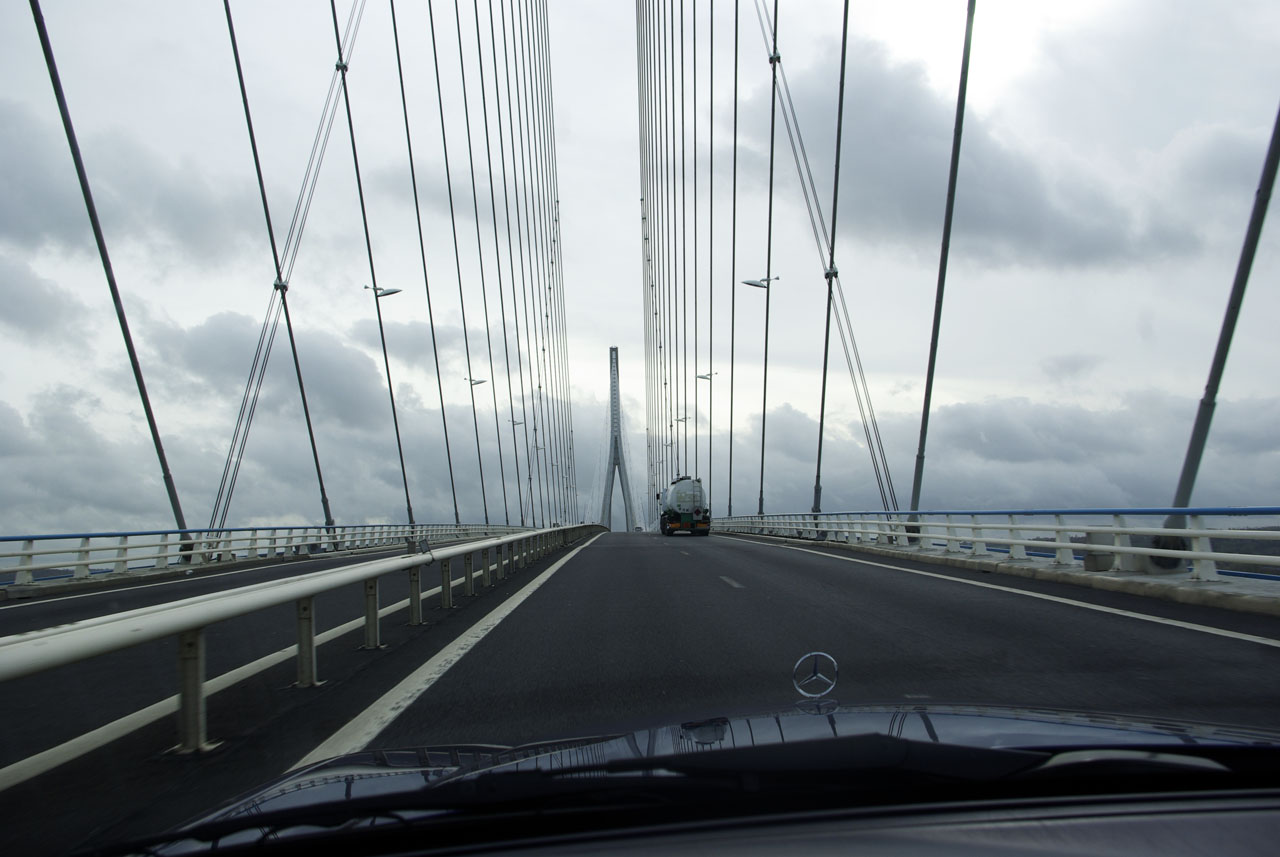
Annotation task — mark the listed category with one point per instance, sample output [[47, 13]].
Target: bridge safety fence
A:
[[1204, 543], [186, 619], [82, 556]]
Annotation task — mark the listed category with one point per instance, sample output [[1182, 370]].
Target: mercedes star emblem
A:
[[815, 674]]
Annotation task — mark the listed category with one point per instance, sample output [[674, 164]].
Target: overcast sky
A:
[[1110, 159]]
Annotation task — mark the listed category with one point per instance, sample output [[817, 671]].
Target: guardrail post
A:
[[415, 595], [1202, 569], [504, 557], [1119, 561], [446, 585], [122, 553], [20, 576], [372, 631], [82, 559], [306, 642], [485, 579], [468, 574], [1016, 551], [191, 710], [1063, 555], [978, 540], [523, 561]]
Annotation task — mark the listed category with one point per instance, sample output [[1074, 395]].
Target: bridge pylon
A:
[[617, 460]]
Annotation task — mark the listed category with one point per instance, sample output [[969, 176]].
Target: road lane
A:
[[640, 629]]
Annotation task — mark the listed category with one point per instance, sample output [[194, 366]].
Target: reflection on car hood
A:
[[379, 773]]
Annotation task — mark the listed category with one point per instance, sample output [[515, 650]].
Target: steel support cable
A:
[[248, 408], [684, 257], [673, 318], [697, 470], [558, 257], [918, 476], [862, 376], [768, 250], [886, 497], [520, 46], [554, 441], [711, 258], [457, 256], [642, 127], [257, 369], [652, 207], [475, 207], [281, 283], [302, 209], [824, 246], [92, 211], [422, 255], [800, 153], [733, 252], [318, 146], [550, 242], [551, 422], [502, 155], [526, 256], [515, 304], [831, 266], [368, 246], [1235, 299]]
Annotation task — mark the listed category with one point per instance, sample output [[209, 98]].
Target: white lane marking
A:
[[1115, 611], [47, 760], [366, 725], [686, 553], [729, 580]]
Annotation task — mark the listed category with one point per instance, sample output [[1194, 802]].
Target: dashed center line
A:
[[729, 580]]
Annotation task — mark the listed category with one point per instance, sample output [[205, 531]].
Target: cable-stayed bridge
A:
[[149, 674]]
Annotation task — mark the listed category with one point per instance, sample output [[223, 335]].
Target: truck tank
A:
[[684, 508]]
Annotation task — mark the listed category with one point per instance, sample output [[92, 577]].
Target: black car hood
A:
[[382, 773]]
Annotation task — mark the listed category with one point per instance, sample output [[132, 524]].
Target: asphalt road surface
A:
[[633, 631]]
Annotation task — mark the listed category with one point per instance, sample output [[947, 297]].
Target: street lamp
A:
[[378, 295], [707, 376], [763, 283], [475, 382]]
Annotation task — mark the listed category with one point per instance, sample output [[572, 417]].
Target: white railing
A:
[[1210, 541], [37, 651], [26, 559]]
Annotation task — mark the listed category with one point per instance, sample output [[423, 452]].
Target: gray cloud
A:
[[141, 196], [1014, 205], [38, 310]]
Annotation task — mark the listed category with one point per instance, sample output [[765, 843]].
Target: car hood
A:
[[385, 772]]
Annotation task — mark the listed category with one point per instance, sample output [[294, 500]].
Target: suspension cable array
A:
[[660, 50], [523, 133]]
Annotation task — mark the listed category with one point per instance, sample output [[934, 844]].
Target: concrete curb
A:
[[1183, 591]]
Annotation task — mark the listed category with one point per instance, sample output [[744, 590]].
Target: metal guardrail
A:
[[37, 651], [1134, 540], [81, 555]]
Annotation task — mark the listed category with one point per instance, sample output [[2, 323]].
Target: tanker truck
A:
[[684, 507]]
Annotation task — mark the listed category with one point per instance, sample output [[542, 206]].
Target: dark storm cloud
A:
[[35, 309], [141, 196], [1013, 204]]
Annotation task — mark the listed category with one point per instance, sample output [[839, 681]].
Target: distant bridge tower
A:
[[616, 460]]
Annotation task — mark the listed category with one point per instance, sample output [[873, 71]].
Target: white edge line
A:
[[729, 580], [46, 760], [1115, 611], [366, 725]]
